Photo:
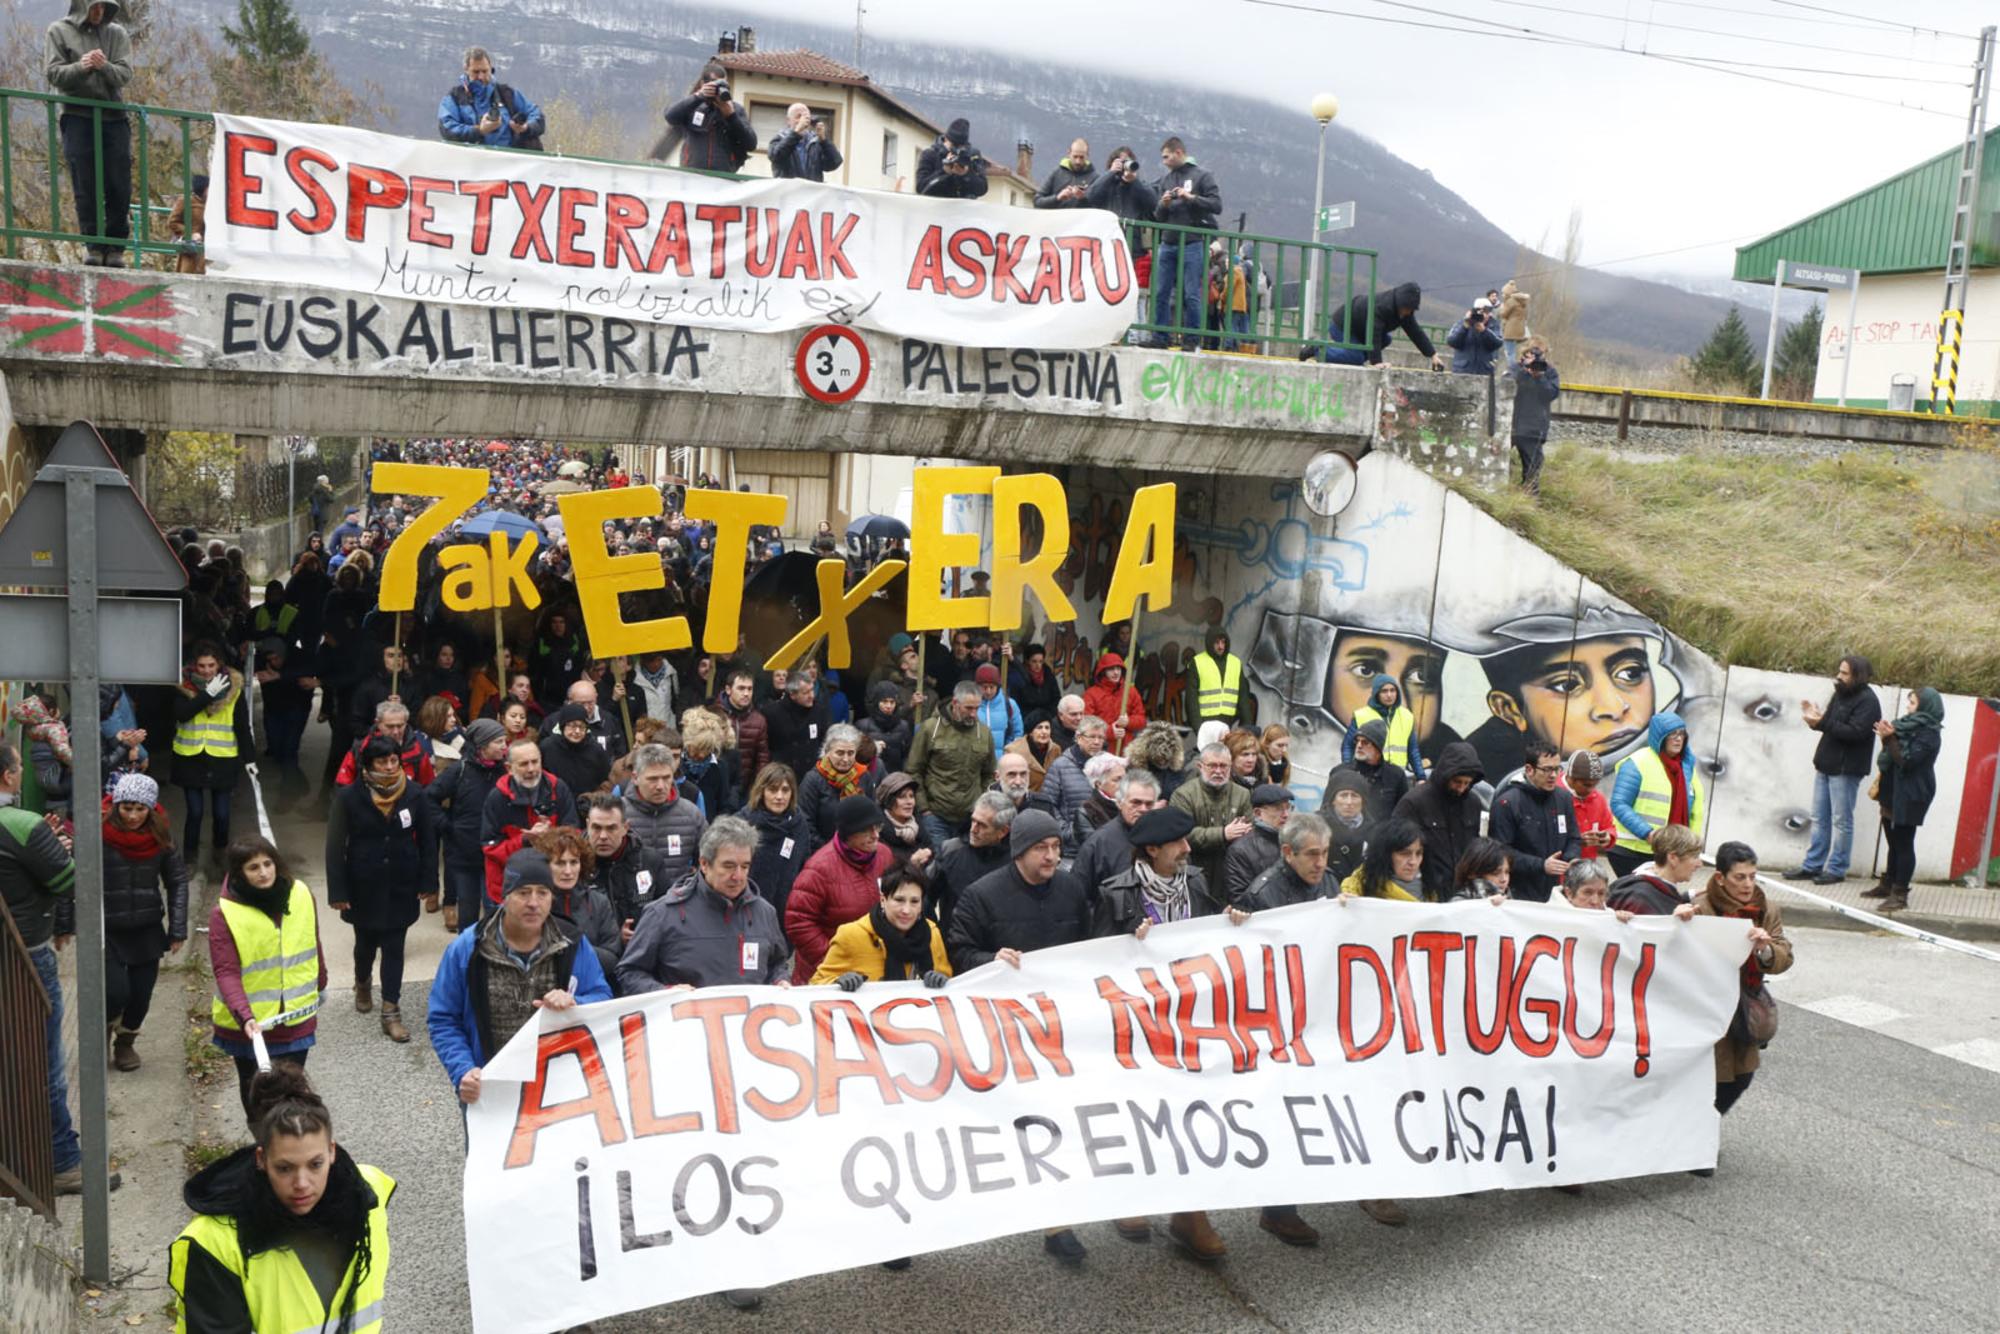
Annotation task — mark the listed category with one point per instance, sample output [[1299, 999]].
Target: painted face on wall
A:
[[1598, 697], [1359, 656]]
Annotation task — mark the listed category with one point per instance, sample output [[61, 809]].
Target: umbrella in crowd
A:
[[560, 486], [878, 528], [517, 527], [498, 447], [573, 468]]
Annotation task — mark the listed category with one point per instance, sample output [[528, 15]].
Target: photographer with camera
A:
[[1474, 341], [803, 152], [1069, 184], [715, 133], [1186, 196], [951, 168], [480, 111], [1536, 385], [1120, 190]]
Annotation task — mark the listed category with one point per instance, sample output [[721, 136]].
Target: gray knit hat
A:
[[136, 787], [1029, 828]]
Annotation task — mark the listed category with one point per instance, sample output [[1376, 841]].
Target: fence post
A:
[[1624, 413]]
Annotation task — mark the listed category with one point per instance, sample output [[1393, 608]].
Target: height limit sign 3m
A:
[[832, 363]]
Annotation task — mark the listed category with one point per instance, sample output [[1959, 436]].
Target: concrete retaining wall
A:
[[268, 548], [36, 1296]]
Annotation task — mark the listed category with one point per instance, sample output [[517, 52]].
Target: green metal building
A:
[[1896, 233]]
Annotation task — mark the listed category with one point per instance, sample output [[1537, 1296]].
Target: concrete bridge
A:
[[137, 350]]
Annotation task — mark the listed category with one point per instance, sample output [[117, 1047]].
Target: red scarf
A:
[[137, 845], [844, 784], [1677, 801]]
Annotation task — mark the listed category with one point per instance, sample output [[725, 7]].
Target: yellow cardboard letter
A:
[[734, 514], [1138, 571], [457, 490], [933, 550], [1011, 577], [601, 577], [835, 607], [468, 577]]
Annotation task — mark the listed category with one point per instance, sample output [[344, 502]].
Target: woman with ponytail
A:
[[289, 1232]]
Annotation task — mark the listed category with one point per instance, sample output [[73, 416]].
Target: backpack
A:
[[530, 142]]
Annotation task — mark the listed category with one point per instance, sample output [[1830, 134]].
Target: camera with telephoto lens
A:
[[722, 90], [962, 155]]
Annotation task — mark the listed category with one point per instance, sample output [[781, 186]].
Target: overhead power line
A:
[[1601, 17], [1516, 32], [1886, 23]]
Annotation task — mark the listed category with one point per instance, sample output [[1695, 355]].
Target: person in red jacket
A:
[[838, 883], [1115, 700], [1584, 776], [392, 720]]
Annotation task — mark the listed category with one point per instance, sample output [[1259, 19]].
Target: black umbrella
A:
[[878, 528]]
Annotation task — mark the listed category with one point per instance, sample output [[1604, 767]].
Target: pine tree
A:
[[1727, 362], [268, 34], [1797, 364]]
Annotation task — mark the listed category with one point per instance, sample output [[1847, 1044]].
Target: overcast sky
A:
[[1660, 156]]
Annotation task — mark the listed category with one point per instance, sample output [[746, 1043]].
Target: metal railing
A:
[[168, 149], [27, 1146], [1272, 295], [1255, 293]]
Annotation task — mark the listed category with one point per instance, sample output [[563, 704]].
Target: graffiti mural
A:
[[1493, 641]]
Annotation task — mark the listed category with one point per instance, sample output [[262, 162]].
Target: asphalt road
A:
[[1857, 1190]]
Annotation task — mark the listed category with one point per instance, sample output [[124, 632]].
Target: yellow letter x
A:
[[834, 609]]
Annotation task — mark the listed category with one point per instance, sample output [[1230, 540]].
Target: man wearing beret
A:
[[1253, 854]]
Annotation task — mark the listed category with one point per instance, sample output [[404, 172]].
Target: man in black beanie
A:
[[952, 168], [1028, 904]]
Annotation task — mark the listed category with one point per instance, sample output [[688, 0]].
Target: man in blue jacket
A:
[[493, 978], [1473, 341], [478, 110]]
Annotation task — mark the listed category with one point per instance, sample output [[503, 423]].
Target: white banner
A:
[[389, 216], [684, 1142]]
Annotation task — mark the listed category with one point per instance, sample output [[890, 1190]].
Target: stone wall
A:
[[35, 1274]]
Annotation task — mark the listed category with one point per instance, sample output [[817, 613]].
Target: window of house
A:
[[891, 145]]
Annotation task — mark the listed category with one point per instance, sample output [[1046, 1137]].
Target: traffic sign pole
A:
[[1847, 336], [80, 494], [1771, 336]]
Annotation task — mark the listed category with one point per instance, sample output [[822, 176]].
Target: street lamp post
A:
[[1325, 106]]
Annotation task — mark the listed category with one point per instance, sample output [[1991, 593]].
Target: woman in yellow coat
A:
[[894, 942]]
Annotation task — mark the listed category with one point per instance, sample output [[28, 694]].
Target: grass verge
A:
[[1789, 563]]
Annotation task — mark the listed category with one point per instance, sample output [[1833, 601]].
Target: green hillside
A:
[[1787, 563]]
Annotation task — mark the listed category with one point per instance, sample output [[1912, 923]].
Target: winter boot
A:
[[1878, 890], [124, 1056], [392, 1023], [1897, 900], [364, 995], [451, 917]]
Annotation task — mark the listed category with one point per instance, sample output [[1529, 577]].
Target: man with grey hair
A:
[[1069, 712], [1065, 783], [803, 152], [1104, 772], [1221, 810], [1300, 874], [711, 928], [796, 722], [392, 721], [963, 861], [952, 761], [479, 110], [609, 735], [1248, 858], [1011, 776], [1108, 852], [664, 822]]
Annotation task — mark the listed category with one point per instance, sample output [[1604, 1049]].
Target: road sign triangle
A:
[[131, 553]]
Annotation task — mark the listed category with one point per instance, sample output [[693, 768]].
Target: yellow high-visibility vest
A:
[[1402, 726], [1219, 686], [280, 962], [279, 1292], [1656, 797], [213, 730]]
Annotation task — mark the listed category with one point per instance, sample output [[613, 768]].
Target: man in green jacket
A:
[[952, 761], [1221, 810], [88, 54]]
